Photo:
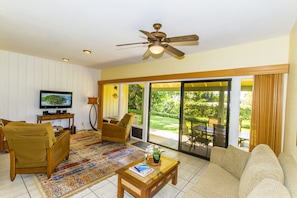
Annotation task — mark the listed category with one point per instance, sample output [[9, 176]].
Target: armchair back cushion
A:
[[29, 141], [3, 142], [127, 121]]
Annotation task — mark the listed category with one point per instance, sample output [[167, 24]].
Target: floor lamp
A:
[[93, 101]]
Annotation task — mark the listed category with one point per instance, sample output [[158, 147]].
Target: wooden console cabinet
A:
[[68, 116]]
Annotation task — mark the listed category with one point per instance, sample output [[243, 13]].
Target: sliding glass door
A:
[[164, 112], [204, 116]]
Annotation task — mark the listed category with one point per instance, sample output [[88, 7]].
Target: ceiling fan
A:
[[158, 42]]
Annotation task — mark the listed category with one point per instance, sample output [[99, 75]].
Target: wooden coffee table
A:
[[147, 186]]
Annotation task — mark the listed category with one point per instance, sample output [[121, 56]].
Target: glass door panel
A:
[[204, 116], [136, 105], [164, 113], [245, 113]]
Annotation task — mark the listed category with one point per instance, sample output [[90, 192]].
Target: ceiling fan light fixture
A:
[[156, 49]]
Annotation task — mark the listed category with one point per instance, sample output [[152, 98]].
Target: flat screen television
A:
[[55, 99]]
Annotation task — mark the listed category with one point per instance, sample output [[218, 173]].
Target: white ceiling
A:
[[63, 28]]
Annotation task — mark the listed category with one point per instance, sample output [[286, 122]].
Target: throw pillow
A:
[[235, 160]]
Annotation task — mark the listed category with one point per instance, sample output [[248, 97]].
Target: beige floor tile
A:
[[107, 191], [24, 186], [168, 191], [85, 193], [181, 183]]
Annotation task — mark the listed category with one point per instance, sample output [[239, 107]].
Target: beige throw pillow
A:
[[235, 160]]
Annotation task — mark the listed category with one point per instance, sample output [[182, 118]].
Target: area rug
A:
[[90, 161]]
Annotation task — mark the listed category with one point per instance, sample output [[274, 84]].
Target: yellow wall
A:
[[265, 52], [291, 109], [280, 50]]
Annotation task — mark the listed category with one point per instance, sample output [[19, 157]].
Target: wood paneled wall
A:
[[23, 76]]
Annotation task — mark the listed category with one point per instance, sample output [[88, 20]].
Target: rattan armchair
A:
[[119, 132], [34, 148]]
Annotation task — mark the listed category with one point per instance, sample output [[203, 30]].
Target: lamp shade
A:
[[156, 49], [92, 100]]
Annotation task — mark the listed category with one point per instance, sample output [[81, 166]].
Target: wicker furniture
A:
[[119, 132], [34, 148]]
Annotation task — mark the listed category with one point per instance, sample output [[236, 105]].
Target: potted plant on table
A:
[[156, 155], [153, 154]]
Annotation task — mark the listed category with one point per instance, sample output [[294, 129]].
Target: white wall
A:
[[290, 144], [23, 76]]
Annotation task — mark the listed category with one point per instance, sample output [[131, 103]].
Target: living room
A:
[[25, 75]]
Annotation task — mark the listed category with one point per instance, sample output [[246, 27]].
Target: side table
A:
[[68, 116]]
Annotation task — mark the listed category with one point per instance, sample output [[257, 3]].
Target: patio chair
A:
[[213, 120], [199, 135], [219, 135]]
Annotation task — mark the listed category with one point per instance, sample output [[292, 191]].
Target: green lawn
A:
[[164, 123], [168, 124]]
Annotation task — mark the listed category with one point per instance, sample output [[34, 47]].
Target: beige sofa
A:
[[236, 173]]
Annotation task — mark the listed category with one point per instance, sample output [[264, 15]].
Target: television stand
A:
[[68, 116]]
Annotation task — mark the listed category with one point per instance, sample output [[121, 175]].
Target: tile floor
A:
[[24, 187]]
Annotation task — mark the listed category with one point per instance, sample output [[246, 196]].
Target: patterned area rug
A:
[[90, 161]]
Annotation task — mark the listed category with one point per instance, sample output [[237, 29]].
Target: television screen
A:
[[55, 99]]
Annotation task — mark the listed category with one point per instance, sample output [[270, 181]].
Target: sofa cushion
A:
[[289, 166], [269, 188], [215, 182], [234, 160], [262, 163]]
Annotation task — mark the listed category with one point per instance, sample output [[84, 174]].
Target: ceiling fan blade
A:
[[193, 37], [173, 50], [149, 35], [133, 43], [146, 54]]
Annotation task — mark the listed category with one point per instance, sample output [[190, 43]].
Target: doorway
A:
[[185, 115], [204, 116], [164, 111]]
